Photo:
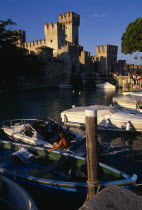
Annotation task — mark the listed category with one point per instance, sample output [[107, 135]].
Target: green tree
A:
[[132, 37], [8, 38]]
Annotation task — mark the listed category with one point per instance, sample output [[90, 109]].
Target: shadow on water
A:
[[125, 150], [52, 201]]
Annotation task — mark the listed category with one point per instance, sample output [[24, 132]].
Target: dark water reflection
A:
[[41, 102], [126, 149]]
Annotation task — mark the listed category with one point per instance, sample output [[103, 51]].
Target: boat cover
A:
[[23, 154], [105, 85]]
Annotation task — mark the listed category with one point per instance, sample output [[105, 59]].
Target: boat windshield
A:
[[115, 109], [110, 110]]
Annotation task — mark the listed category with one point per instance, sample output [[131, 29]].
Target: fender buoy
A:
[[107, 123], [128, 124]]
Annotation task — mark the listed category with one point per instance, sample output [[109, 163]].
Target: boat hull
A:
[[16, 137], [20, 173], [129, 100], [62, 187], [106, 85], [65, 85], [22, 200], [126, 121]]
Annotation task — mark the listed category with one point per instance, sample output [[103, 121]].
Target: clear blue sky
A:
[[101, 21]]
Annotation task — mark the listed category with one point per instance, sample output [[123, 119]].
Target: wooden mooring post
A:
[[92, 152]]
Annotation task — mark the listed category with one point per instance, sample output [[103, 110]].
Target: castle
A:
[[61, 44]]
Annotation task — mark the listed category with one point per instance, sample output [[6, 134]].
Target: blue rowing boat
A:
[[35, 167]]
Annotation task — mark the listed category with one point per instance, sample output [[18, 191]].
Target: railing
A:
[[15, 122]]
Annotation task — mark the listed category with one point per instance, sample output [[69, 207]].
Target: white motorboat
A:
[[131, 100], [135, 93], [13, 196], [41, 133], [110, 118], [65, 85], [30, 131], [105, 85]]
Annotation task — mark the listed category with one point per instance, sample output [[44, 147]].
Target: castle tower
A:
[[71, 21], [106, 55], [54, 35], [22, 38]]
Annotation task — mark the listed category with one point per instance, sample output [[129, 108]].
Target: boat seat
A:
[[49, 168]]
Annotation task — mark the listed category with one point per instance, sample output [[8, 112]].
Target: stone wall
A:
[[32, 45], [52, 74]]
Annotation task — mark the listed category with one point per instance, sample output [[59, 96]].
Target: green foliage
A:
[[132, 37], [7, 37]]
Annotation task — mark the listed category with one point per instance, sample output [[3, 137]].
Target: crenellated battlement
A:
[[70, 17], [56, 34], [35, 43], [74, 45], [105, 48], [101, 49], [53, 25]]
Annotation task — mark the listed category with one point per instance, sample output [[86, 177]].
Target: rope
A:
[[140, 184], [93, 183]]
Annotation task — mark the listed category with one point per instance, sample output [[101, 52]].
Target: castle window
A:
[[51, 40]]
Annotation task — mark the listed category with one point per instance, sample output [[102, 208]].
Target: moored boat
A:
[[56, 173], [42, 133], [13, 196], [65, 85], [105, 85], [135, 93], [111, 118], [129, 100], [32, 131]]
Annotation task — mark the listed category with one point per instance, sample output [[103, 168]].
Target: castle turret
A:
[[71, 21], [22, 38], [54, 35], [107, 57]]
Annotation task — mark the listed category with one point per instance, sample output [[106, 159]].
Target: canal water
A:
[[125, 149]]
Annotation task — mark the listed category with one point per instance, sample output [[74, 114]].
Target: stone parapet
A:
[[70, 17]]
